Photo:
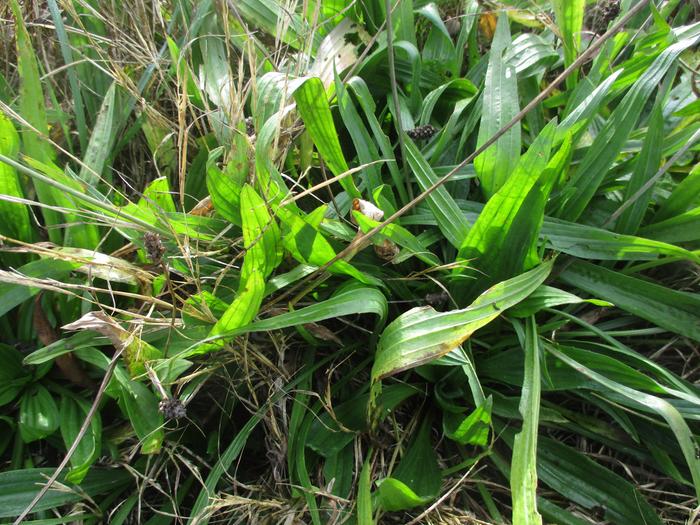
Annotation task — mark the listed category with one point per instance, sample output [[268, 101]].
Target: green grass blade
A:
[[676, 311], [673, 418]]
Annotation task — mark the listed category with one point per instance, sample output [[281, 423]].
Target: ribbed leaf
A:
[[523, 475], [424, 334], [500, 105], [676, 311]]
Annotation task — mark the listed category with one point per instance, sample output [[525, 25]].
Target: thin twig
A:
[[83, 429]]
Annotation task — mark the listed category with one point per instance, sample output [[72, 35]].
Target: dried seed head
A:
[[172, 408], [422, 132], [387, 250], [249, 126], [154, 246]]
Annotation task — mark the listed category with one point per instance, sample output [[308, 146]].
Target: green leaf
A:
[[142, 409], [423, 334], [244, 307], [682, 198], [681, 228], [14, 216], [609, 141], [471, 430], [500, 105], [18, 488], [312, 104], [261, 235], [449, 217], [501, 243], [647, 164], [592, 486], [158, 197], [308, 245], [38, 414], [676, 311], [73, 413], [13, 376], [663, 408], [101, 141], [548, 296], [364, 494], [569, 15], [523, 475], [416, 481]]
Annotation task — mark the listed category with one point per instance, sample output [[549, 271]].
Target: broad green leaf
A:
[[158, 197], [364, 145], [38, 414], [523, 475], [73, 413], [416, 481], [261, 235], [14, 216], [312, 104], [14, 290], [682, 198], [31, 99], [244, 307], [142, 409], [500, 105], [423, 334], [307, 245], [225, 185], [18, 488], [676, 311], [13, 376], [449, 217], [582, 480], [548, 296], [684, 227], [501, 241], [569, 16], [471, 430]]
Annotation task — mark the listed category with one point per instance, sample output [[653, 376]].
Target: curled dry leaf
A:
[[136, 351], [367, 209]]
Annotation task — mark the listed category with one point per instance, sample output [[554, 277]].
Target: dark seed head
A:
[[422, 132], [249, 126], [172, 408], [154, 246]]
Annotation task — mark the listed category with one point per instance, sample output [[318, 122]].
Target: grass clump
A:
[[281, 263]]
